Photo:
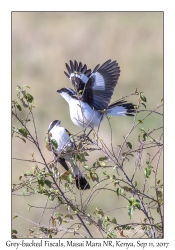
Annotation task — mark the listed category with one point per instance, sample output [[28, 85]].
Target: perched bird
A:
[[60, 142], [89, 101]]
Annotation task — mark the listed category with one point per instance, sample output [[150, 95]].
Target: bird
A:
[[59, 139], [89, 101]]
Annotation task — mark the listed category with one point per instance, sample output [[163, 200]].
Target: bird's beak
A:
[[59, 91]]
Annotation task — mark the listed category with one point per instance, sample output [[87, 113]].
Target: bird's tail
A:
[[121, 108], [81, 181]]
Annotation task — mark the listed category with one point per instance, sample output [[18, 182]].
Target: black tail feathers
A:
[[82, 183]]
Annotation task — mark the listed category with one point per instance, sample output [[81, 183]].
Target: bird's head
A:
[[67, 93], [53, 124]]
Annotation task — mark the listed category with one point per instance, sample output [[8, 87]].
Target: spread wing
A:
[[97, 87], [78, 75], [100, 86]]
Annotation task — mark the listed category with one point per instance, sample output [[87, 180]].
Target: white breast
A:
[[60, 135], [82, 114]]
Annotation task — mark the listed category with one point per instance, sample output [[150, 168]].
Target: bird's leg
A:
[[89, 132], [84, 136]]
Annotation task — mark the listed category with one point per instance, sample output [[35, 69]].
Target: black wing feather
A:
[[68, 68], [72, 66], [79, 67], [66, 74], [75, 65], [95, 69], [100, 86]]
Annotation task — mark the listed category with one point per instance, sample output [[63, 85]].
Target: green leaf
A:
[[41, 182], [14, 236], [130, 155], [140, 121], [18, 88], [15, 130], [88, 176], [122, 191], [94, 177], [36, 190], [29, 207], [143, 104], [85, 154], [60, 220], [144, 136], [147, 162], [143, 97], [26, 86], [67, 207], [107, 228], [48, 183], [107, 218], [126, 227], [130, 211], [136, 204], [48, 146], [65, 175], [109, 117], [23, 131], [114, 220], [102, 163], [54, 142], [28, 173], [116, 182], [24, 191], [58, 214], [16, 216], [103, 158], [129, 145], [142, 130], [99, 211], [147, 172], [24, 140], [20, 177], [51, 197], [29, 97], [87, 168], [67, 186], [14, 231], [118, 191], [127, 189], [158, 226], [18, 106], [69, 178], [69, 216]]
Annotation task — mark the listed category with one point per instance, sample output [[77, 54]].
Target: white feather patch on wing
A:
[[99, 83], [84, 78], [74, 75], [117, 111]]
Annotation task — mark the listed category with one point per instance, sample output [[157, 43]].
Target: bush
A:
[[139, 190]]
